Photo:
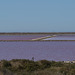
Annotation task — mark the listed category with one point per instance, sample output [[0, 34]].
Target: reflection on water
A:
[[53, 50]]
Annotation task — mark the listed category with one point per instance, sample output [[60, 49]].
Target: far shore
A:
[[24, 33]]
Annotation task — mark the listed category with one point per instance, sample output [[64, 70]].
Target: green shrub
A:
[[64, 71], [57, 64], [6, 63], [45, 64], [32, 66]]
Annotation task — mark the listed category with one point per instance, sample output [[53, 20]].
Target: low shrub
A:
[[6, 64]]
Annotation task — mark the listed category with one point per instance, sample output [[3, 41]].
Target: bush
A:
[[45, 64], [64, 71], [6, 63], [57, 64]]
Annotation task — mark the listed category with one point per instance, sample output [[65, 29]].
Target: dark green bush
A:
[[45, 64], [30, 66], [6, 63], [57, 64]]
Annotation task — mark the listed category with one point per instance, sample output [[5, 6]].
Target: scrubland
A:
[[30, 67]]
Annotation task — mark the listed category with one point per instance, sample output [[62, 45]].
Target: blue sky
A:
[[37, 15]]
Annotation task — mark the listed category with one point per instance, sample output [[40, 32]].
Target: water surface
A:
[[62, 37], [49, 50], [21, 37]]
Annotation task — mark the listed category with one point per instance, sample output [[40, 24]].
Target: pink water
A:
[[20, 37], [52, 50], [62, 37]]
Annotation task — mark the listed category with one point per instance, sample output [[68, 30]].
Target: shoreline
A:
[[32, 40], [24, 33]]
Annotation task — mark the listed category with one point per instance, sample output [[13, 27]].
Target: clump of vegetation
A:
[[44, 64], [6, 64], [29, 67]]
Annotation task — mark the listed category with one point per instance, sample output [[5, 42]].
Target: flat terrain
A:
[[6, 37]]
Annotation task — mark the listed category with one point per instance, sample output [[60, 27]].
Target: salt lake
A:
[[62, 37], [49, 50]]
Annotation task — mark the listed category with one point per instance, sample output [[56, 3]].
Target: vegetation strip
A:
[[31, 67]]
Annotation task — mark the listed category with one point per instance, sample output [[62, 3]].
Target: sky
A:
[[37, 15]]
